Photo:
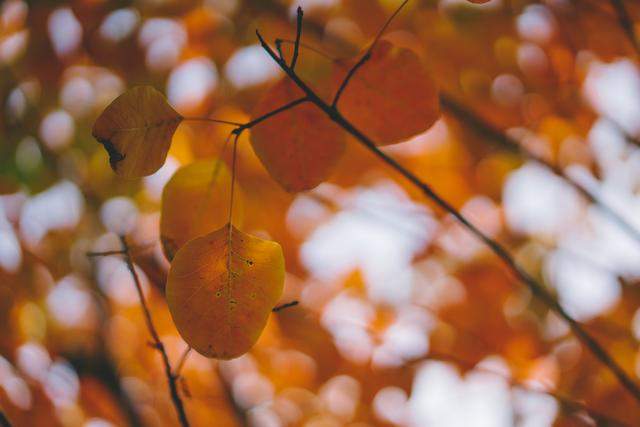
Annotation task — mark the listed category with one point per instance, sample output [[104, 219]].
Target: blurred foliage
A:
[[404, 319]]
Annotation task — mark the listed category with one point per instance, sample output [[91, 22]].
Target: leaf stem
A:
[[233, 180], [157, 343], [207, 119], [536, 288]]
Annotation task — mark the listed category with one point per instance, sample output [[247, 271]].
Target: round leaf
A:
[[221, 289], [195, 202], [391, 97], [136, 130], [298, 147]]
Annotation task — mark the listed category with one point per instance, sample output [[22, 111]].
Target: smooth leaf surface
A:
[[136, 130], [221, 289], [392, 97], [195, 202], [298, 147]]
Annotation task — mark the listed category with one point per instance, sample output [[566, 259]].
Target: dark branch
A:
[[366, 56], [349, 76], [249, 125], [207, 119], [285, 306], [626, 23], [157, 343], [4, 421], [296, 46], [468, 117], [536, 288]]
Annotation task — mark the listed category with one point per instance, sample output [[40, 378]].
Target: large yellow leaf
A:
[[391, 97], [195, 202], [221, 290], [136, 130], [298, 147]]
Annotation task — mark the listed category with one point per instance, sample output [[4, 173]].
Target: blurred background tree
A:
[[404, 318]]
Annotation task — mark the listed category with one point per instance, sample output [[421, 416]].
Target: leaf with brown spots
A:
[[136, 130], [221, 289]]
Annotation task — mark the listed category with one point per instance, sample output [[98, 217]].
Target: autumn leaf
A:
[[195, 202], [136, 130], [300, 146], [221, 289], [391, 97]]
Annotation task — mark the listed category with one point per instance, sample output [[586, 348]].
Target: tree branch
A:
[[157, 343], [537, 289], [366, 56], [249, 125], [626, 23], [284, 306], [468, 117], [296, 46]]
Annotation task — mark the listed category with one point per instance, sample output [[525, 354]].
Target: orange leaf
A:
[[221, 289], [391, 97], [136, 130], [195, 202], [298, 147]]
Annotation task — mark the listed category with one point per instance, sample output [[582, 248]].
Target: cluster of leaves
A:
[[223, 283]]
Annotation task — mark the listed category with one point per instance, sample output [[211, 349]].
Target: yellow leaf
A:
[[136, 130], [298, 147], [195, 202], [391, 97], [221, 289]]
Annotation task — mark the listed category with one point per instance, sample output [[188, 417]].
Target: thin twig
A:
[[468, 117], [296, 46], [207, 119], [284, 306], [105, 253], [626, 23], [536, 288], [157, 343], [181, 362], [365, 57]]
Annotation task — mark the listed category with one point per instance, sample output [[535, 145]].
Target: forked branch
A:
[[536, 288]]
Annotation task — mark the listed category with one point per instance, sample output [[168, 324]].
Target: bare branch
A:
[[365, 57], [536, 288], [157, 343], [249, 125], [470, 118], [285, 306], [296, 47], [207, 119], [626, 23]]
